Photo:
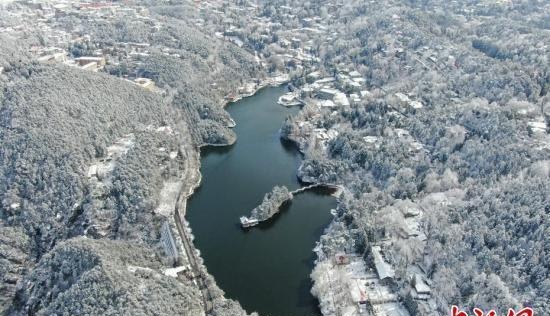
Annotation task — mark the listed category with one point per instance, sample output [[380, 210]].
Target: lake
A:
[[267, 267]]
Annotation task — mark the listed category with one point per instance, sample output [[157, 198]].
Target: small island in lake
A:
[[269, 207]]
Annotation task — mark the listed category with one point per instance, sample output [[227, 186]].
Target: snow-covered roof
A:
[[354, 74], [332, 133], [173, 272], [315, 74], [327, 103], [537, 126], [383, 268], [416, 104], [248, 221], [358, 291], [92, 171], [370, 139], [402, 97], [341, 99], [325, 80], [420, 286], [329, 91], [90, 58], [354, 84], [364, 93]]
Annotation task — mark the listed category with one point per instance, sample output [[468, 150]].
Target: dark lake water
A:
[[267, 267]]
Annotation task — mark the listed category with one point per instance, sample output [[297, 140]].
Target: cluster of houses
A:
[[348, 283], [325, 93], [293, 50], [46, 17], [287, 50], [56, 55], [350, 287]]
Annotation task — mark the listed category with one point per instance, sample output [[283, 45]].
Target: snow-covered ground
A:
[[168, 198], [344, 284], [99, 174], [103, 167]]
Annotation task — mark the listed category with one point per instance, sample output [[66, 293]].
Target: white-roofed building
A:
[[341, 99], [421, 290], [383, 269], [355, 74]]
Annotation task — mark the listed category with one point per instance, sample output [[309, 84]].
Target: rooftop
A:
[[383, 268]]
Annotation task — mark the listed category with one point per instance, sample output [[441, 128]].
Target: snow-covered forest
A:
[[431, 115], [85, 157], [271, 203], [469, 164]]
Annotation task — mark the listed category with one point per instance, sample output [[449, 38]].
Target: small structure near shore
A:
[[289, 99], [269, 207], [248, 222]]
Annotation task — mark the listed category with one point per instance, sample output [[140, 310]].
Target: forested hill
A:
[[195, 68], [56, 121], [103, 277], [88, 154]]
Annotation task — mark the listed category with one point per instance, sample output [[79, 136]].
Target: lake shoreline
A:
[[293, 170], [189, 187]]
